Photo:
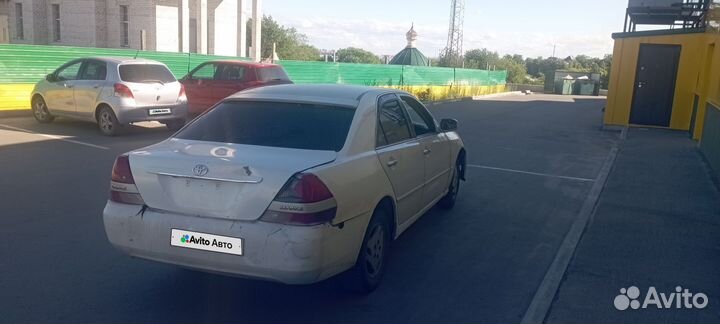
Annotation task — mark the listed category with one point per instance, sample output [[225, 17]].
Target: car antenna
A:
[[136, 54]]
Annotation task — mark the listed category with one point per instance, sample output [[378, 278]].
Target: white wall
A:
[[225, 31], [166, 29]]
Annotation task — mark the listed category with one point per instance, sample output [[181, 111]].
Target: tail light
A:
[[122, 91], [122, 185], [304, 200], [182, 96]]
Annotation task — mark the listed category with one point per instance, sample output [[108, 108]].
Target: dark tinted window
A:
[[272, 74], [230, 72], [392, 120], [419, 116], [94, 70], [288, 125], [145, 73]]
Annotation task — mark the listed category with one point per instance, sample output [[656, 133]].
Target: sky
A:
[[527, 27]]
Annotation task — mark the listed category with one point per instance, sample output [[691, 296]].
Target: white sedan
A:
[[289, 183]]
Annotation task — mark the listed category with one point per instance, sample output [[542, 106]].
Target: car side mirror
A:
[[448, 124], [50, 78]]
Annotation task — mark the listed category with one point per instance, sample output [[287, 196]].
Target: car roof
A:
[[122, 60], [336, 94], [245, 63]]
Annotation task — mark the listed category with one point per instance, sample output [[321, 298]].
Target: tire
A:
[[107, 122], [371, 263], [40, 111], [448, 202], [175, 124]]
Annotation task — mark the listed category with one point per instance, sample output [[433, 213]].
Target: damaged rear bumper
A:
[[287, 254]]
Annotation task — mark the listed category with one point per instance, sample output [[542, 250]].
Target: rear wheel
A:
[[448, 202], [370, 267], [107, 122], [40, 111], [175, 124]]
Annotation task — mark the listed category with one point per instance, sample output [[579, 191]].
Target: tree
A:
[[356, 55], [516, 71], [290, 44], [449, 61], [483, 59]]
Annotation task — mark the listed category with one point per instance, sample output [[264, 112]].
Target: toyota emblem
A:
[[200, 170]]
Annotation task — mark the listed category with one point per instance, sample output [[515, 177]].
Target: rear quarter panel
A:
[[356, 178]]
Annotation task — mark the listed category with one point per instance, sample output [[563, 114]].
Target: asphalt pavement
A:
[[533, 160]]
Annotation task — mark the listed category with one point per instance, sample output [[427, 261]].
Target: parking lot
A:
[[533, 161]]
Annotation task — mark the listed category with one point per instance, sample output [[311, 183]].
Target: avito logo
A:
[[202, 241], [681, 298]]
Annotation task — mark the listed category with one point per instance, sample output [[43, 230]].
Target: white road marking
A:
[[55, 137], [530, 173], [540, 305]]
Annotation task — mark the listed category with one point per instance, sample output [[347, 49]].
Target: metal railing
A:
[[688, 14]]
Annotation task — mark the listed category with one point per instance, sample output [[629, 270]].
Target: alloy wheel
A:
[[40, 110], [106, 123], [374, 251]]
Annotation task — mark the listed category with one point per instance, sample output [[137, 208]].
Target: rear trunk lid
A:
[[220, 180], [155, 94], [151, 84]]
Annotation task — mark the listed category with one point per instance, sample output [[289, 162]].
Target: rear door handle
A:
[[427, 151], [68, 85], [392, 163], [96, 86]]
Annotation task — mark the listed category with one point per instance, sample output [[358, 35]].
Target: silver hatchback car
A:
[[111, 92]]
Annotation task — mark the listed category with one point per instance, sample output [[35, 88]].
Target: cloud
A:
[[383, 37]]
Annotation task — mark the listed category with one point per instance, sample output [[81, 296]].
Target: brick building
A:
[[197, 26]]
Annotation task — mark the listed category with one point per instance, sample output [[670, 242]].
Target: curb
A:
[[471, 98], [15, 113]]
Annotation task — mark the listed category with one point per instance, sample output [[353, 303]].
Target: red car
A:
[[212, 81]]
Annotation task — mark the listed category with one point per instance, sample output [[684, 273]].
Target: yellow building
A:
[[669, 78]]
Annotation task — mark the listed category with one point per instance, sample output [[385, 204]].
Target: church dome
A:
[[410, 55]]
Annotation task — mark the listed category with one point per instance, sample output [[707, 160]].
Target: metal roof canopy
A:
[[672, 13]]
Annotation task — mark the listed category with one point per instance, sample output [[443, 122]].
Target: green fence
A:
[[21, 66], [389, 75], [30, 63]]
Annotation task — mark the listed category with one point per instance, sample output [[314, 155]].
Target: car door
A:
[[436, 151], [229, 79], [197, 87], [88, 87], [401, 156], [60, 96]]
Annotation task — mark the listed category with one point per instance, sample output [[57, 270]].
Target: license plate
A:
[[206, 242], [159, 111]]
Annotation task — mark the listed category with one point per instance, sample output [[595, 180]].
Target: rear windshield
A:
[[287, 125], [272, 74], [146, 73]]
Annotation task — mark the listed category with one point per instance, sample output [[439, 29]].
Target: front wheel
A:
[[40, 111], [448, 202], [370, 267]]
